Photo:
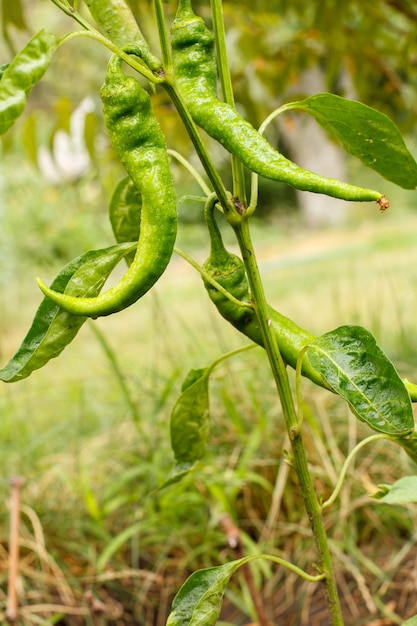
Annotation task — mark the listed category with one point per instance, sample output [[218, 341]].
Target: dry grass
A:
[[99, 545]]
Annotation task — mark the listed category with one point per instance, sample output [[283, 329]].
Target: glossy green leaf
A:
[[125, 213], [354, 366], [190, 418], [403, 491], [52, 328], [199, 601], [26, 69], [365, 133]]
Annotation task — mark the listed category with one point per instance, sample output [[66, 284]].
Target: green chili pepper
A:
[[140, 144], [196, 76], [116, 20], [228, 270]]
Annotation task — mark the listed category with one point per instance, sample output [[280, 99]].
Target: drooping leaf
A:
[[125, 213], [365, 133], [190, 418], [199, 601], [52, 328], [403, 491], [26, 69], [356, 368]]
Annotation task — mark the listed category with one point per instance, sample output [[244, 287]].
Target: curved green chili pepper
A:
[[228, 270], [196, 76], [140, 144], [116, 20]]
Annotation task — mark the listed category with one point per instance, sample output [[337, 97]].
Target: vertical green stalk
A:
[[163, 36], [239, 190], [293, 425], [201, 150]]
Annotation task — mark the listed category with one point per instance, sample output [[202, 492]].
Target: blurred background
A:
[[90, 432]]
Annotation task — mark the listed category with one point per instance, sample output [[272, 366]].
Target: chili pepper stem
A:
[[163, 36], [300, 463], [239, 190]]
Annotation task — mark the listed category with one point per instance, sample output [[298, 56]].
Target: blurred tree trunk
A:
[[310, 147]]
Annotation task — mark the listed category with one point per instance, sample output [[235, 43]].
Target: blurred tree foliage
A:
[[361, 44], [364, 48]]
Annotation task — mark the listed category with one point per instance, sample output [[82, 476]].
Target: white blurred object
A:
[[69, 158]]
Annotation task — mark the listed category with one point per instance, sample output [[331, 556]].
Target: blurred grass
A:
[[94, 521]]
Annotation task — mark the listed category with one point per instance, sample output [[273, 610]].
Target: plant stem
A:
[[239, 190], [163, 36], [214, 177], [293, 425]]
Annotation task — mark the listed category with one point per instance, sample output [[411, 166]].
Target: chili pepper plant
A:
[[191, 67]]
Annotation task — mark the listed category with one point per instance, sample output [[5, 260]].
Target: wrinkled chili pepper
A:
[[196, 76], [140, 144]]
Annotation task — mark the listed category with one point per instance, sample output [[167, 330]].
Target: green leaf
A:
[[403, 491], [198, 602], [354, 366], [411, 622], [26, 69], [365, 133], [190, 418], [52, 328], [3, 68], [125, 213]]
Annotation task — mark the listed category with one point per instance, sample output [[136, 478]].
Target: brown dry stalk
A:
[[234, 541], [16, 483]]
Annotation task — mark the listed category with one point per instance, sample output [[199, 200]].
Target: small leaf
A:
[[26, 69], [193, 376], [403, 491], [199, 601], [125, 213], [365, 133], [354, 366], [52, 328], [190, 418]]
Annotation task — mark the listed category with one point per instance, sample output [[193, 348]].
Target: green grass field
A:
[[89, 434]]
